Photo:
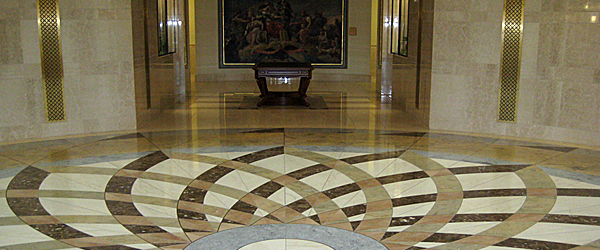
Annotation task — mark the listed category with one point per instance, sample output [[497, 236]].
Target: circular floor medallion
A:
[[333, 238]]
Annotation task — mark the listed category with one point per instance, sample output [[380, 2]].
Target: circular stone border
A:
[[335, 238]]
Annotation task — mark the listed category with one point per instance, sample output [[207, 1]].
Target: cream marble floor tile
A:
[[275, 163], [411, 188], [500, 248], [141, 246], [467, 227], [285, 196], [69, 206], [112, 147], [262, 213], [585, 206], [75, 182], [287, 244], [351, 199], [359, 217], [235, 154], [456, 164], [159, 189], [340, 154], [564, 233], [516, 154], [183, 168], [387, 167], [293, 163], [173, 230], [220, 155], [13, 235], [332, 154], [212, 218], [7, 163], [4, 183], [32, 152], [112, 164], [317, 181], [100, 230], [5, 210], [429, 244], [569, 183], [219, 200], [485, 181], [491, 205], [420, 209], [241, 180], [310, 212], [122, 163], [397, 229], [149, 210], [336, 179], [304, 244]]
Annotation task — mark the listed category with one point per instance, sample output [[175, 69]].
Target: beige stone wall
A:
[[98, 69], [559, 97], [207, 42], [466, 58]]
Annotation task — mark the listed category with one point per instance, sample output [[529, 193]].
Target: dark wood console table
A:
[[262, 70]]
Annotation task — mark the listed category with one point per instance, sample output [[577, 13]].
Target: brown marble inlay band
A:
[[22, 205], [28, 178], [534, 244], [494, 193], [260, 155], [214, 174], [341, 190], [527, 216], [445, 237], [308, 171], [441, 212], [572, 219], [110, 248], [402, 177], [480, 217], [267, 189], [120, 186], [146, 162], [373, 157], [488, 169], [405, 221], [410, 200], [578, 192]]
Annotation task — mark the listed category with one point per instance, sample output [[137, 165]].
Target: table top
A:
[[283, 65]]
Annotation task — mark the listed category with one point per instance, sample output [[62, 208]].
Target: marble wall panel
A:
[[559, 95], [98, 69]]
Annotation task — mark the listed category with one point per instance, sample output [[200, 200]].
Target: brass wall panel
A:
[[510, 65], [51, 55]]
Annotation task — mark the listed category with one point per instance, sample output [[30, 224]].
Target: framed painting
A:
[[399, 41], [254, 31]]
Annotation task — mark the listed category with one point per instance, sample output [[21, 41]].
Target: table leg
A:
[[304, 82], [262, 85]]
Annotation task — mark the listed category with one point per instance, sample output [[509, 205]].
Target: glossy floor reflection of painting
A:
[[357, 175]]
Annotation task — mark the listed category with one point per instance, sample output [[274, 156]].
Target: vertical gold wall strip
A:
[[51, 55], [510, 65]]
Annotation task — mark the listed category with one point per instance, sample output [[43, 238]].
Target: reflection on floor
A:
[[346, 183]]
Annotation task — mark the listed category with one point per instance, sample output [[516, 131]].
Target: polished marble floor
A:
[[218, 177]]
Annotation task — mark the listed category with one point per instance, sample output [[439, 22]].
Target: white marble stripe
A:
[[563, 233]]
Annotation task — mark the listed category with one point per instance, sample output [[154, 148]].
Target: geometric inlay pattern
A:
[[510, 65], [166, 190], [51, 59]]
